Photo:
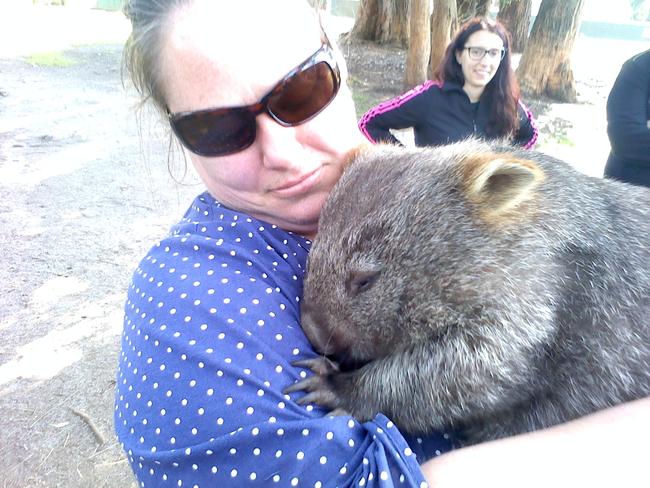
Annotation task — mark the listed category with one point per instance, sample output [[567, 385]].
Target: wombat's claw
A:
[[318, 388], [324, 398], [320, 365]]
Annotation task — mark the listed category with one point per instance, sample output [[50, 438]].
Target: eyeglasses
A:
[[301, 95], [478, 53]]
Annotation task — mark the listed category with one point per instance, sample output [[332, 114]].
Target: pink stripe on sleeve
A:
[[393, 104], [529, 114]]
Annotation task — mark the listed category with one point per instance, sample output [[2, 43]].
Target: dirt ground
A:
[[84, 195]]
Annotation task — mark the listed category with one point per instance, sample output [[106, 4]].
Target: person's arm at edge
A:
[[627, 117], [605, 449]]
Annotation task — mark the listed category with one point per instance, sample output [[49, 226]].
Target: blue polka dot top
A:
[[210, 331]]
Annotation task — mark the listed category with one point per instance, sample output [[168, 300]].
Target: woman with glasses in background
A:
[[474, 93]]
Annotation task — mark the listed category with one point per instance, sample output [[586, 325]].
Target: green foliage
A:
[[564, 140], [56, 59], [640, 9], [363, 101], [364, 97]]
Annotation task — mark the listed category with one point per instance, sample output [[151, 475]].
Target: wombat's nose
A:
[[316, 330]]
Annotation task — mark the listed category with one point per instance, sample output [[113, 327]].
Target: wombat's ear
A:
[[500, 182], [355, 152]]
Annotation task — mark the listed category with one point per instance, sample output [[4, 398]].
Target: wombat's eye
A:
[[361, 281]]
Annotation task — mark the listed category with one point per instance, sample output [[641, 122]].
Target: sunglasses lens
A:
[[216, 132], [304, 95]]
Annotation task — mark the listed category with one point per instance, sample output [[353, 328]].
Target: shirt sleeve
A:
[[211, 329], [528, 132], [627, 112], [404, 111]]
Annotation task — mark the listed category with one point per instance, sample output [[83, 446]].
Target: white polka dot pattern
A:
[[211, 328]]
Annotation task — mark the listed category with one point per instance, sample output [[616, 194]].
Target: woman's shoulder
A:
[[638, 66], [642, 58], [214, 250], [209, 229], [430, 87]]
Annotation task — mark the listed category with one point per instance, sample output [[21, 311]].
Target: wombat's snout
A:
[[317, 330]]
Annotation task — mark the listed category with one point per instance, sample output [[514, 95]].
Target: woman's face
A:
[[479, 72], [224, 54]]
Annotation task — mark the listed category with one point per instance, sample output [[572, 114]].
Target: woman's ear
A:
[[458, 53]]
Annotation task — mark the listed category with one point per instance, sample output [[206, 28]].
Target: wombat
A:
[[477, 287]]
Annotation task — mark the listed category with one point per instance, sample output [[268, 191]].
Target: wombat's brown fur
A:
[[478, 287]]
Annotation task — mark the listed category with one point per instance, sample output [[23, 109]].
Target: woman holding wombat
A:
[[256, 93], [474, 93]]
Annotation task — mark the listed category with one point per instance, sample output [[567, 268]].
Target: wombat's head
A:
[[406, 248]]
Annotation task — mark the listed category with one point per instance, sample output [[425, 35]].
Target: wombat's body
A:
[[478, 287]]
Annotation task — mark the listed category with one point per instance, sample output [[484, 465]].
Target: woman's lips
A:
[[299, 185]]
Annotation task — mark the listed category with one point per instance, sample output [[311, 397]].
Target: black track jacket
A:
[[439, 114]]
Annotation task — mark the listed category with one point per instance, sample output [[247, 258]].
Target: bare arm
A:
[[605, 449]]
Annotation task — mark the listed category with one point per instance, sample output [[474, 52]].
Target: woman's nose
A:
[[279, 145]]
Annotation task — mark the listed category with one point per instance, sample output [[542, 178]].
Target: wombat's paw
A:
[[319, 388]]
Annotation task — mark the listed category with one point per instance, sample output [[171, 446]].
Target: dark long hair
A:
[[502, 92]]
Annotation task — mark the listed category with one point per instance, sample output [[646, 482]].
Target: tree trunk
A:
[[382, 21], [318, 4], [515, 16], [472, 8], [444, 21], [545, 66], [417, 57], [364, 21]]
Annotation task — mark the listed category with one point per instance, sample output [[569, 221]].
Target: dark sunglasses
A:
[[301, 95]]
